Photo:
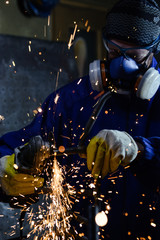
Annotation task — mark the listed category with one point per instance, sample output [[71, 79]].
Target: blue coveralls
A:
[[132, 193]]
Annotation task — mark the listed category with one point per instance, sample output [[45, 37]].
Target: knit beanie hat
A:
[[137, 21]]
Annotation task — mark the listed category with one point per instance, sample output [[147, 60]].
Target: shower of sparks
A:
[[72, 37], [53, 222]]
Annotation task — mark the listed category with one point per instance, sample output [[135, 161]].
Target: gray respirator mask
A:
[[124, 75]]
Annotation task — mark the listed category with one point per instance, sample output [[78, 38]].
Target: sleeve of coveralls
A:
[[147, 168], [148, 165]]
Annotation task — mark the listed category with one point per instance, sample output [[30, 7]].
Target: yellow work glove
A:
[[108, 149], [14, 183]]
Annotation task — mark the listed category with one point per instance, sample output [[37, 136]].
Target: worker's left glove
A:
[[20, 173], [13, 182], [108, 149]]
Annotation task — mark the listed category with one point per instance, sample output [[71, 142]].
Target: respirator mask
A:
[[123, 74]]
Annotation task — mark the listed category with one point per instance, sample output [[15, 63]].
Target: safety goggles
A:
[[139, 54]]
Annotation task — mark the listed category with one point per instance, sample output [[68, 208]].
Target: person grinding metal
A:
[[123, 147]]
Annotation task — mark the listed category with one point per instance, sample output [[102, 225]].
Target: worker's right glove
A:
[[108, 149], [26, 158]]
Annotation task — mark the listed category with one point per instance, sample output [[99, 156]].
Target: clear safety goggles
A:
[[139, 54]]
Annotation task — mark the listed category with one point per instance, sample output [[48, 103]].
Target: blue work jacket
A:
[[132, 193]]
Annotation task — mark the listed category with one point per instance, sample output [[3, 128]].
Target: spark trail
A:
[[52, 221]]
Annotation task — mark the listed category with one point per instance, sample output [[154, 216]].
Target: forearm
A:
[[146, 166], [148, 150]]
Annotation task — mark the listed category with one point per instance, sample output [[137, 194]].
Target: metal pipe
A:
[[96, 111]]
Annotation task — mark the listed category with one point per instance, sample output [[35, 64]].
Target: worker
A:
[[123, 147]]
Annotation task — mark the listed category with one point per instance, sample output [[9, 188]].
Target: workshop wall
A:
[[14, 22], [30, 70], [29, 45]]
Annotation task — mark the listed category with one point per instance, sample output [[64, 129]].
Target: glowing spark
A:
[[108, 207], [91, 185], [49, 20], [13, 63], [61, 148], [72, 37], [29, 48], [56, 98], [79, 81], [88, 28], [1, 118], [101, 219], [86, 23], [153, 224], [15, 166], [35, 111], [39, 109]]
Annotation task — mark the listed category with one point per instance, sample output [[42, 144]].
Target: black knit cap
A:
[[136, 21]]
